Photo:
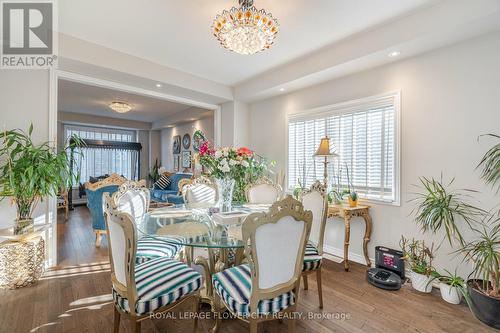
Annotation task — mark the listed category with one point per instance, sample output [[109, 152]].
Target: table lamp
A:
[[324, 151]]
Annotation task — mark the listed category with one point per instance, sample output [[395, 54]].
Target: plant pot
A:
[[353, 203], [484, 307], [24, 226], [421, 282], [450, 294]]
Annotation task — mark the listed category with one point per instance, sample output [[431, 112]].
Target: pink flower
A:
[[205, 149]]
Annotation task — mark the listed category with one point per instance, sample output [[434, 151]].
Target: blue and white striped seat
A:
[[160, 282], [155, 247], [234, 286], [312, 258]]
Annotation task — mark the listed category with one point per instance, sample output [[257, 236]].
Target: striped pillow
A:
[[163, 183]]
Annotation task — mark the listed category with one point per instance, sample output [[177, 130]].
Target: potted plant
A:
[[438, 207], [451, 287], [483, 288], [352, 194], [154, 174], [419, 257], [30, 172]]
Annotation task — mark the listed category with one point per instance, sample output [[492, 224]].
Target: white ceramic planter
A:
[[450, 294], [421, 282]]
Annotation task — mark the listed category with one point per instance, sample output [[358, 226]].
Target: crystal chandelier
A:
[[120, 107], [245, 30]]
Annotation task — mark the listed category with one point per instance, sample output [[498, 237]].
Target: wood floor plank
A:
[[76, 297]]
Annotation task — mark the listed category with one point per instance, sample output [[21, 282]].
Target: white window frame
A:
[[344, 108]]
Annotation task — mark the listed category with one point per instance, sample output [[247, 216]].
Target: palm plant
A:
[[30, 172], [484, 253], [438, 207], [490, 164]]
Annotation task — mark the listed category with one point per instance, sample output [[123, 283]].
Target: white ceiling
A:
[[176, 33], [80, 98]]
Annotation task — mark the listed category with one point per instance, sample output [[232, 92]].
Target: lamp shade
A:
[[324, 148]]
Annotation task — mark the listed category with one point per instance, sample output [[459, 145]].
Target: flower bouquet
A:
[[233, 168]]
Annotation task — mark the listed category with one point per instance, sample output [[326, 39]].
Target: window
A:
[[364, 135], [97, 162]]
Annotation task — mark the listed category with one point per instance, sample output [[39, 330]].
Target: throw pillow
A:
[[163, 183]]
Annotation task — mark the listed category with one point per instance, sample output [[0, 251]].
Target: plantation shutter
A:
[[362, 134]]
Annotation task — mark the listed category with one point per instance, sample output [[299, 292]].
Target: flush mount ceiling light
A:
[[120, 107], [245, 30]]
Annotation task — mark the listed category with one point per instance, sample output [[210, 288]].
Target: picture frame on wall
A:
[[186, 159], [176, 163], [176, 145]]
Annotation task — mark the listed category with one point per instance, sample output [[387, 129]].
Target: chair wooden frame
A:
[[199, 181], [321, 189], [263, 181], [129, 291], [131, 186], [286, 207]]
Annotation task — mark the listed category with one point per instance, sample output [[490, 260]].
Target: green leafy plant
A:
[[490, 164], [439, 207], [452, 279], [418, 255], [484, 253], [30, 172]]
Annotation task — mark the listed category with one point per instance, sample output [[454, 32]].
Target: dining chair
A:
[[268, 286], [142, 290], [201, 192], [315, 200], [133, 198], [263, 191]]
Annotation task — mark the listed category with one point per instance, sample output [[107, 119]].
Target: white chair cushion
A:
[[160, 282], [312, 258], [155, 247], [234, 286], [262, 194]]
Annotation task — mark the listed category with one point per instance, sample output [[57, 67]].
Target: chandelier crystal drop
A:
[[245, 30], [120, 107]]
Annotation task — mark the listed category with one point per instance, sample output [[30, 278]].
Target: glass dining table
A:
[[211, 240]]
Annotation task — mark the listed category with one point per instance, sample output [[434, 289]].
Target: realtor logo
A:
[[27, 34]]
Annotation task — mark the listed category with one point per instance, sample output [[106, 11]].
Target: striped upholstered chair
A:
[[315, 200], [200, 193], [134, 198], [140, 290], [269, 284]]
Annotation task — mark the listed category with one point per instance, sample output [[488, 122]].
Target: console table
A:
[[346, 213]]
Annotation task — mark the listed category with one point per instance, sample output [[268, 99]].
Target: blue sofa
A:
[[171, 193]]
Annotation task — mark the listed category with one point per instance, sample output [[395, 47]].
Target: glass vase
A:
[[225, 187]]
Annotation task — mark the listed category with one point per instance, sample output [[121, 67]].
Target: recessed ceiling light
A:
[[159, 85], [282, 89], [394, 54]]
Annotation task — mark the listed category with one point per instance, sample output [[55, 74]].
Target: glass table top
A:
[[197, 227]]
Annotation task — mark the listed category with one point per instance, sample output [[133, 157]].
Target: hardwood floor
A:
[[75, 297]]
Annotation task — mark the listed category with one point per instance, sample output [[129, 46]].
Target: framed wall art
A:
[[176, 146], [186, 159]]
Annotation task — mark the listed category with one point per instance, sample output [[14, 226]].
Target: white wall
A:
[[449, 97], [206, 125], [24, 99]]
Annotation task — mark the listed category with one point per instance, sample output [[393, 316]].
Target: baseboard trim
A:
[[337, 255]]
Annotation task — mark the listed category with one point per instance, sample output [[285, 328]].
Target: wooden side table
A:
[[345, 212]]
